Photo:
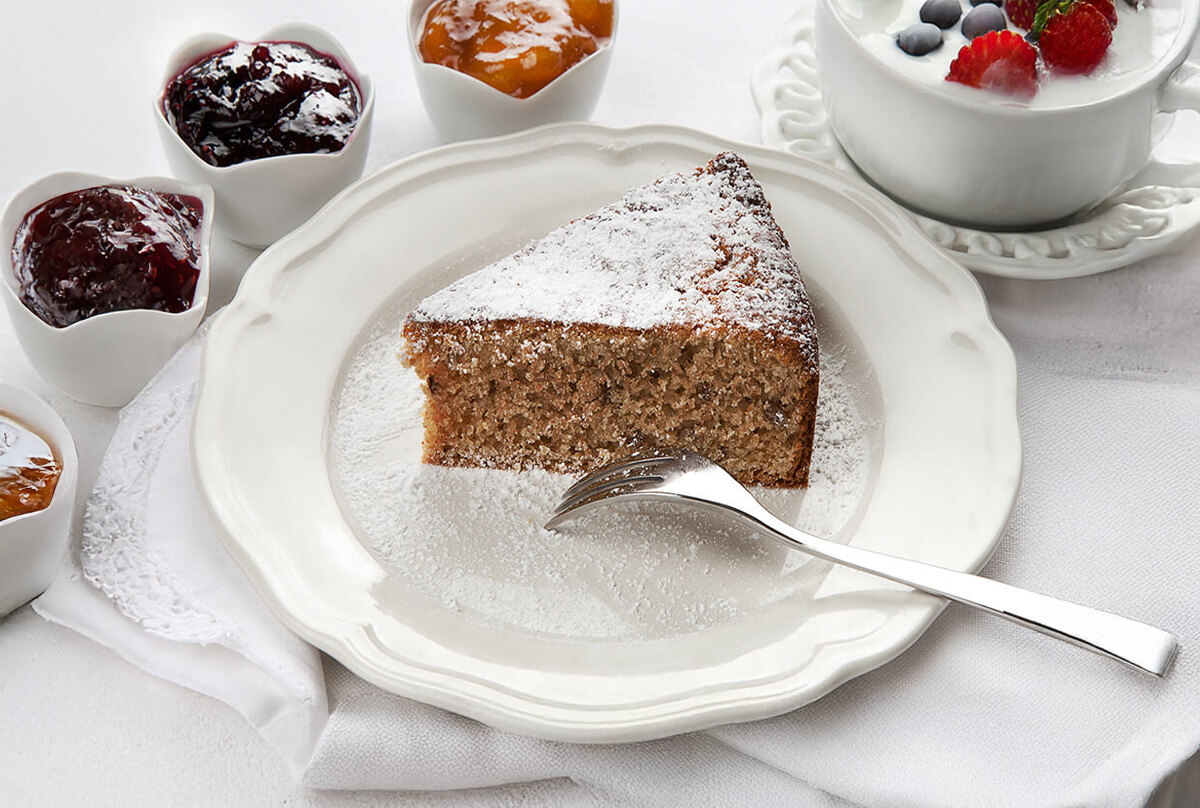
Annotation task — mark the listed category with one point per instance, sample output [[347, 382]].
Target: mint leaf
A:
[[1046, 10]]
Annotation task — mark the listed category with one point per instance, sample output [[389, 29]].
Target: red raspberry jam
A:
[[106, 249], [263, 99]]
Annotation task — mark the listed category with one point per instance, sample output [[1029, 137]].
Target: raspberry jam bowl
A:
[[33, 542], [98, 328], [463, 107], [271, 175], [1033, 153]]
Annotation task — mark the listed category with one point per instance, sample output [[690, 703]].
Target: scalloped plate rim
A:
[[350, 640]]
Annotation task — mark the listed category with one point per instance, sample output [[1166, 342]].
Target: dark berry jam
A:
[[262, 99], [106, 249]]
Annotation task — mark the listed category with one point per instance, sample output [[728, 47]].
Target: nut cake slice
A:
[[674, 318]]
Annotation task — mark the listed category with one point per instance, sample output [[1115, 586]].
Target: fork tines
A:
[[629, 475]]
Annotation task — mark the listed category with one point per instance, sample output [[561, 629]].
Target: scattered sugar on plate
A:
[[470, 541]]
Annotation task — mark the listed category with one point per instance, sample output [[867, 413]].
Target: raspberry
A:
[[1022, 12], [999, 60], [1106, 7], [1075, 40]]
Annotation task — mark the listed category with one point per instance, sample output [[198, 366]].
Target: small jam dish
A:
[[107, 358], [262, 199], [33, 544], [464, 108]]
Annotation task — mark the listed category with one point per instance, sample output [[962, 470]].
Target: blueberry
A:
[[982, 19], [993, 2], [919, 39], [942, 13]]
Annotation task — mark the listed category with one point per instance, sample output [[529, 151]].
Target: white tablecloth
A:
[[83, 727]]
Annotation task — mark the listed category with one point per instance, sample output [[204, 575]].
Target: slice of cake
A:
[[675, 318]]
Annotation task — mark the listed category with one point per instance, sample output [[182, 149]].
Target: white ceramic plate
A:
[[1157, 208], [500, 621]]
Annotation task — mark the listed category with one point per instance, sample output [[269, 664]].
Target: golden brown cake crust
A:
[[675, 318]]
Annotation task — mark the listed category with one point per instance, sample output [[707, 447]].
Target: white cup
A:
[[33, 545], [969, 157], [260, 200], [462, 107], [105, 359]]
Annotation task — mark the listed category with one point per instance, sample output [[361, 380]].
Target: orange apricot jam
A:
[[515, 46], [29, 470]]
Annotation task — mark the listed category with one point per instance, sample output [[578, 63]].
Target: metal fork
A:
[[690, 478]]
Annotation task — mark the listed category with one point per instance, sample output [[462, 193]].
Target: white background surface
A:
[[81, 726]]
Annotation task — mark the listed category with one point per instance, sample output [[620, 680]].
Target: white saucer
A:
[[1156, 209]]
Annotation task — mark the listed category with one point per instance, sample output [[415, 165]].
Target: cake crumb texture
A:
[[674, 318]]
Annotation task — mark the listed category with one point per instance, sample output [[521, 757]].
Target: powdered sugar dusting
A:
[[688, 249], [470, 541]]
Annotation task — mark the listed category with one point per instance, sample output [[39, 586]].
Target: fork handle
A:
[[1144, 647]]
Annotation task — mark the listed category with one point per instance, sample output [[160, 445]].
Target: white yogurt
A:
[[1142, 37]]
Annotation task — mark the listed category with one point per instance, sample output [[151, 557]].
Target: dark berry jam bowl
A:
[[104, 359], [262, 199], [463, 108], [34, 544]]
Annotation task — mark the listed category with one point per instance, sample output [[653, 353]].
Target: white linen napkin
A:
[[152, 581], [977, 713]]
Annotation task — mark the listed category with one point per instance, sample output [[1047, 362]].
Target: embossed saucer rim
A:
[[1138, 222]]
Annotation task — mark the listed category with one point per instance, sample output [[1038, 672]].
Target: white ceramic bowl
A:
[[464, 108], [105, 359], [260, 200], [33, 545], [975, 158]]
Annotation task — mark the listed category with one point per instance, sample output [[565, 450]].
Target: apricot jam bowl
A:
[[35, 522], [304, 114], [99, 329], [991, 159], [511, 73]]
